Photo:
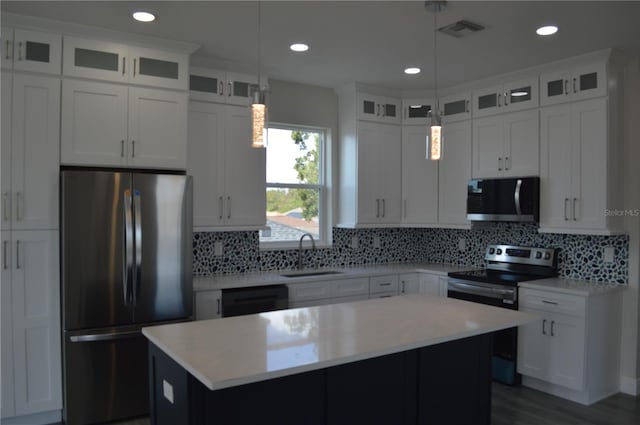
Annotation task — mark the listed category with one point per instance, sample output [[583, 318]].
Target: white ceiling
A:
[[367, 41]]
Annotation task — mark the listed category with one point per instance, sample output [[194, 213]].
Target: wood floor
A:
[[524, 406]]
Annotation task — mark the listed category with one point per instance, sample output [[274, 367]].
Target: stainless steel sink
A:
[[310, 273]]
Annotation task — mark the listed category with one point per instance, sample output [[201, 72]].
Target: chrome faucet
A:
[[313, 248]]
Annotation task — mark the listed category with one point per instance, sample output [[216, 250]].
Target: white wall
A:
[[630, 350]]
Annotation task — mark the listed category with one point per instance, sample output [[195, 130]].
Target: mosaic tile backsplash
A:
[[580, 255]]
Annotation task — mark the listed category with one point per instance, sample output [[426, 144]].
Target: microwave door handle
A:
[[516, 197], [128, 245], [138, 242]]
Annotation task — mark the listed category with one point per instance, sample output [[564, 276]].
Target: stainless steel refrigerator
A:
[[126, 263]]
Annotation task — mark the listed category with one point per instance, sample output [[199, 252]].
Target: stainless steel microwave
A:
[[510, 199]]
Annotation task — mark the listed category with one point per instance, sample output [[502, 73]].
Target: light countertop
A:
[[572, 286], [233, 351], [208, 283]]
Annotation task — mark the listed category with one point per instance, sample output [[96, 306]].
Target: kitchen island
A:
[[413, 359]]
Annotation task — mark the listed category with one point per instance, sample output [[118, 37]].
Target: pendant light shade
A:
[[434, 138], [258, 117], [258, 106]]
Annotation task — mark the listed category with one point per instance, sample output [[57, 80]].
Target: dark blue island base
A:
[[447, 383]]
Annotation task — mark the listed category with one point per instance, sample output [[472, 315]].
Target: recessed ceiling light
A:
[[299, 47], [144, 16], [547, 30], [412, 71]]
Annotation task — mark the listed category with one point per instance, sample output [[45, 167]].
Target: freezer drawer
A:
[[106, 375]]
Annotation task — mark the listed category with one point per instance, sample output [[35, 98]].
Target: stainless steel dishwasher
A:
[[240, 301]]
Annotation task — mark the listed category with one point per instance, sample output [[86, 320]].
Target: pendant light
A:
[[258, 107], [434, 138]]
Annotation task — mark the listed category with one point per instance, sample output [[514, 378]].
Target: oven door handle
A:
[[478, 290]]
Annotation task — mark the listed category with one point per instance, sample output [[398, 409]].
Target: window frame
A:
[[324, 176]]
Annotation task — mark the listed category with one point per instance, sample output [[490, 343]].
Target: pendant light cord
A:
[[435, 55], [259, 49]]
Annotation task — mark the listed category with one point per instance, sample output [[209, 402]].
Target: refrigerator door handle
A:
[[128, 245], [105, 337], [138, 241]]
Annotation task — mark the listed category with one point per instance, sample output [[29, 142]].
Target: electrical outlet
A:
[[462, 244], [376, 241], [608, 253], [355, 242], [217, 249]]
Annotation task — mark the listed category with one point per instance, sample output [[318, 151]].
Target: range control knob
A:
[[492, 251], [547, 256], [499, 251], [538, 255]]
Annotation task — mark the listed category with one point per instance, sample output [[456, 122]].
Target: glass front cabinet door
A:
[[575, 84], [32, 51]]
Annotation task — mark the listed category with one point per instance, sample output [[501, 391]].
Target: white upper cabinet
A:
[[112, 125], [379, 173], [381, 109], [573, 84], [33, 51], [417, 111], [419, 178], [103, 60], [30, 151], [455, 107], [506, 145], [454, 172], [511, 97], [99, 60], [222, 87], [579, 169], [228, 175]]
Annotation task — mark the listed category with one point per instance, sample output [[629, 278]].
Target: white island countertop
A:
[[233, 351]]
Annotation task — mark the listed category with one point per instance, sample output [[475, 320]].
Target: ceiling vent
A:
[[461, 28]]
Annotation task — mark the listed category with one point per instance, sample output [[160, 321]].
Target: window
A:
[[296, 186]]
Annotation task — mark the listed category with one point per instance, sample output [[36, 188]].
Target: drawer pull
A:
[[385, 284], [549, 302], [552, 323], [544, 324]]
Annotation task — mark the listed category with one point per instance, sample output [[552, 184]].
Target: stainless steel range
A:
[[497, 285]]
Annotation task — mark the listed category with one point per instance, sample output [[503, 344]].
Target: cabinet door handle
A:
[[220, 207], [20, 50], [384, 110], [18, 197], [6, 49], [499, 97], [133, 149], [221, 88], [573, 209], [218, 303], [377, 109], [228, 207], [552, 324], [18, 254], [506, 98], [134, 66], [575, 90], [566, 201], [5, 206], [405, 208], [124, 65], [566, 86], [4, 255], [384, 208], [544, 324], [403, 287], [499, 163], [230, 89], [549, 302], [122, 148], [506, 163], [467, 108], [377, 208]]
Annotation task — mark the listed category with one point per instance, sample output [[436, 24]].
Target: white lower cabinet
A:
[[328, 292], [433, 284], [573, 350], [31, 364], [107, 124], [409, 283], [384, 286], [208, 305]]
